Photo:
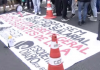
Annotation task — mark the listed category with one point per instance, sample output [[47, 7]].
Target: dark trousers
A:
[[98, 5], [19, 1], [89, 11], [24, 3], [69, 4], [64, 10], [41, 1], [53, 1], [58, 7], [28, 4]]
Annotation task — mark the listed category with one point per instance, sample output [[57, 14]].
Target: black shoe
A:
[[72, 15], [69, 9], [83, 22], [4, 11], [79, 23], [98, 38]]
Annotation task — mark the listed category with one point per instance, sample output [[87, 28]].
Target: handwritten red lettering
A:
[[78, 47], [46, 43], [83, 50], [72, 44], [66, 51], [41, 37]]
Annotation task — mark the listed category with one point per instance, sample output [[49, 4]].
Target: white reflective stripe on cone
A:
[[54, 45], [49, 2], [49, 8], [55, 61]]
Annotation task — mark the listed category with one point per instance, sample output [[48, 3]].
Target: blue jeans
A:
[[98, 5], [82, 10], [36, 4], [93, 7]]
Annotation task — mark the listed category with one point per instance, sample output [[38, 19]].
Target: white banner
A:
[[32, 39]]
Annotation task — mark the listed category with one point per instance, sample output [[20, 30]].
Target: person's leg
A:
[[0, 5], [13, 3], [80, 5], [28, 5], [9, 3], [64, 11], [99, 6], [58, 7], [32, 6], [85, 11], [69, 5], [38, 6], [94, 9], [4, 5], [73, 5], [35, 6], [41, 1]]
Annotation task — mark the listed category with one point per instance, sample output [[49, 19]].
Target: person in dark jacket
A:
[[58, 7], [64, 10], [82, 11], [29, 6]]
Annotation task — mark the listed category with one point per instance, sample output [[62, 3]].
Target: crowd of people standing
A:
[[61, 8]]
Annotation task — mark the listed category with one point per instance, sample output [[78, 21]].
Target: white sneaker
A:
[[39, 13], [63, 19], [93, 18], [35, 13], [10, 9], [14, 8]]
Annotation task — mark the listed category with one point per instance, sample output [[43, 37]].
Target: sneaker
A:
[[98, 38], [10, 9], [35, 13], [88, 16], [72, 15], [64, 19], [4, 11], [83, 22], [79, 23], [93, 18], [39, 13]]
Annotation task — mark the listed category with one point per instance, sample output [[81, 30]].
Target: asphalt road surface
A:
[[8, 61]]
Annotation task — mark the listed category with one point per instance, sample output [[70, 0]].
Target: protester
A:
[[82, 11], [23, 4], [53, 5], [29, 5], [64, 10], [94, 10], [3, 2], [69, 5], [89, 12], [11, 2], [73, 5], [37, 7], [58, 7], [98, 5]]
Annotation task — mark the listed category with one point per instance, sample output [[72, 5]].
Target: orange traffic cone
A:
[[49, 13], [55, 61]]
